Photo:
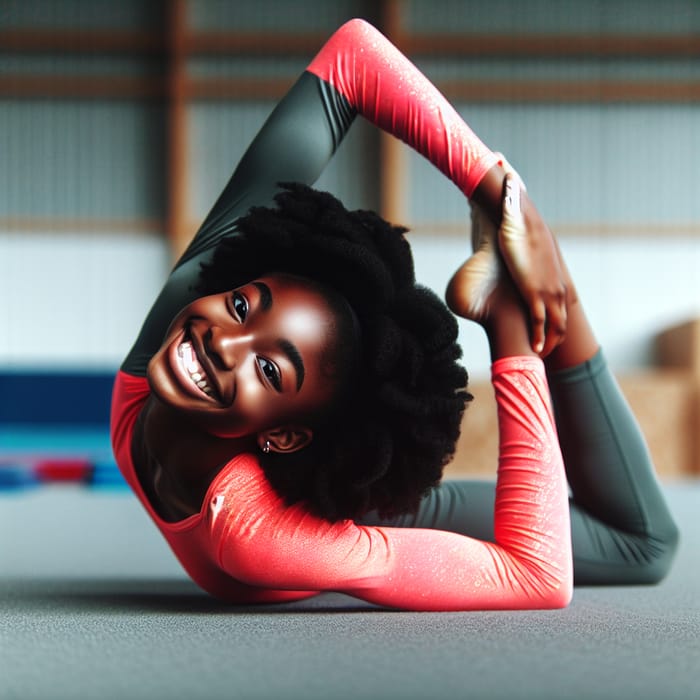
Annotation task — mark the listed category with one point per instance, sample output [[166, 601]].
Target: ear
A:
[[285, 439]]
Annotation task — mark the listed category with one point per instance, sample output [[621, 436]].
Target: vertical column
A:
[[392, 153], [176, 222]]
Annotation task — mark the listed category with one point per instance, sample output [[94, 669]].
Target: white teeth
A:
[[194, 369]]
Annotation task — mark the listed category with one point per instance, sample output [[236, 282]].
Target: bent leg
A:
[[622, 529]]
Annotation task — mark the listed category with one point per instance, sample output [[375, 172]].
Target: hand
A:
[[532, 257]]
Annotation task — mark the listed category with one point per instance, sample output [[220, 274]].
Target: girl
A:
[[287, 409]]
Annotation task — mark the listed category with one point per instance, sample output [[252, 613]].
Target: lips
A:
[[193, 368]]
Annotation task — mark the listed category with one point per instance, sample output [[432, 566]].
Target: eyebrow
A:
[[294, 356], [265, 295]]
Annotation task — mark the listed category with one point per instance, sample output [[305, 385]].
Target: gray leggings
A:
[[622, 531]]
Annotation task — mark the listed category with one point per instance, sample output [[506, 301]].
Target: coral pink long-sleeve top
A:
[[246, 545]]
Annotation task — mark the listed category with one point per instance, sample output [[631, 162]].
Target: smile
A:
[[194, 369]]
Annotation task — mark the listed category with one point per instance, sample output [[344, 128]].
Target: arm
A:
[[300, 137], [264, 543], [294, 145], [357, 71], [388, 90], [383, 86]]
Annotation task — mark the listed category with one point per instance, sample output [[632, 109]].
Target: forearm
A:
[[262, 542], [294, 144], [530, 566], [388, 90]]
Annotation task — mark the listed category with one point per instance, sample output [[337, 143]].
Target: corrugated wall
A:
[[619, 181]]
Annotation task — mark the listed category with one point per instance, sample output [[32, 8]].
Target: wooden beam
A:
[[599, 45], [571, 91], [237, 88], [72, 41], [529, 91], [392, 152], [255, 43], [83, 87], [572, 45]]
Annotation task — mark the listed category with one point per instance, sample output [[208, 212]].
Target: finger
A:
[[555, 330], [538, 316], [552, 340]]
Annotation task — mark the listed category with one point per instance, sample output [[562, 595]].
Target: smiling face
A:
[[244, 361]]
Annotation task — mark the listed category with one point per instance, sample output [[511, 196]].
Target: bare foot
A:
[[470, 290]]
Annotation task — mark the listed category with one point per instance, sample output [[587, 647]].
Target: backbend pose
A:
[[287, 409]]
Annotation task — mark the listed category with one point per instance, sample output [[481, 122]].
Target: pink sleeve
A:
[[388, 90], [264, 543]]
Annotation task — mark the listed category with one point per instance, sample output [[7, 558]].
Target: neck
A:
[[176, 460]]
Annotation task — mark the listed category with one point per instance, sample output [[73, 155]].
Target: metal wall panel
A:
[[80, 14], [584, 164], [77, 158]]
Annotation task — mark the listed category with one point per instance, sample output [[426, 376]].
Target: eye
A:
[[240, 306], [271, 372]]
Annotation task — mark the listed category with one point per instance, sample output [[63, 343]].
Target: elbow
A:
[[548, 589], [560, 596], [557, 585], [357, 24], [555, 591], [358, 32]]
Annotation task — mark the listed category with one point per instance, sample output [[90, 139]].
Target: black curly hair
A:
[[385, 442]]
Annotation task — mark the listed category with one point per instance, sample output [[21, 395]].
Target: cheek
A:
[[254, 409], [254, 405]]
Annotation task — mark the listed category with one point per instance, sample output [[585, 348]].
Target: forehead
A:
[[296, 306], [290, 290]]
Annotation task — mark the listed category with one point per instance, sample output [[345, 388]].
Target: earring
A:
[[266, 447]]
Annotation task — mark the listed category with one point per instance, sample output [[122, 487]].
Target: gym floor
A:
[[95, 606]]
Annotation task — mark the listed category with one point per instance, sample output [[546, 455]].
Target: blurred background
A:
[[121, 120]]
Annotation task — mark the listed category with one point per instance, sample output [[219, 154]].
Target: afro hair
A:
[[385, 444]]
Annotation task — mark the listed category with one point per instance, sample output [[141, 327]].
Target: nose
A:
[[227, 347]]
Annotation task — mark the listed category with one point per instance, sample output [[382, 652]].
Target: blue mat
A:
[[33, 455], [64, 437]]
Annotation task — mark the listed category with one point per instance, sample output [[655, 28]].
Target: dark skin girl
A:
[[246, 350], [236, 370]]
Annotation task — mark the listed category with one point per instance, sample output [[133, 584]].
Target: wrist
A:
[[488, 194], [507, 331]]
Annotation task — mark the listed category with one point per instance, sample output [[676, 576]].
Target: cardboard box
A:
[[665, 402], [679, 347]]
